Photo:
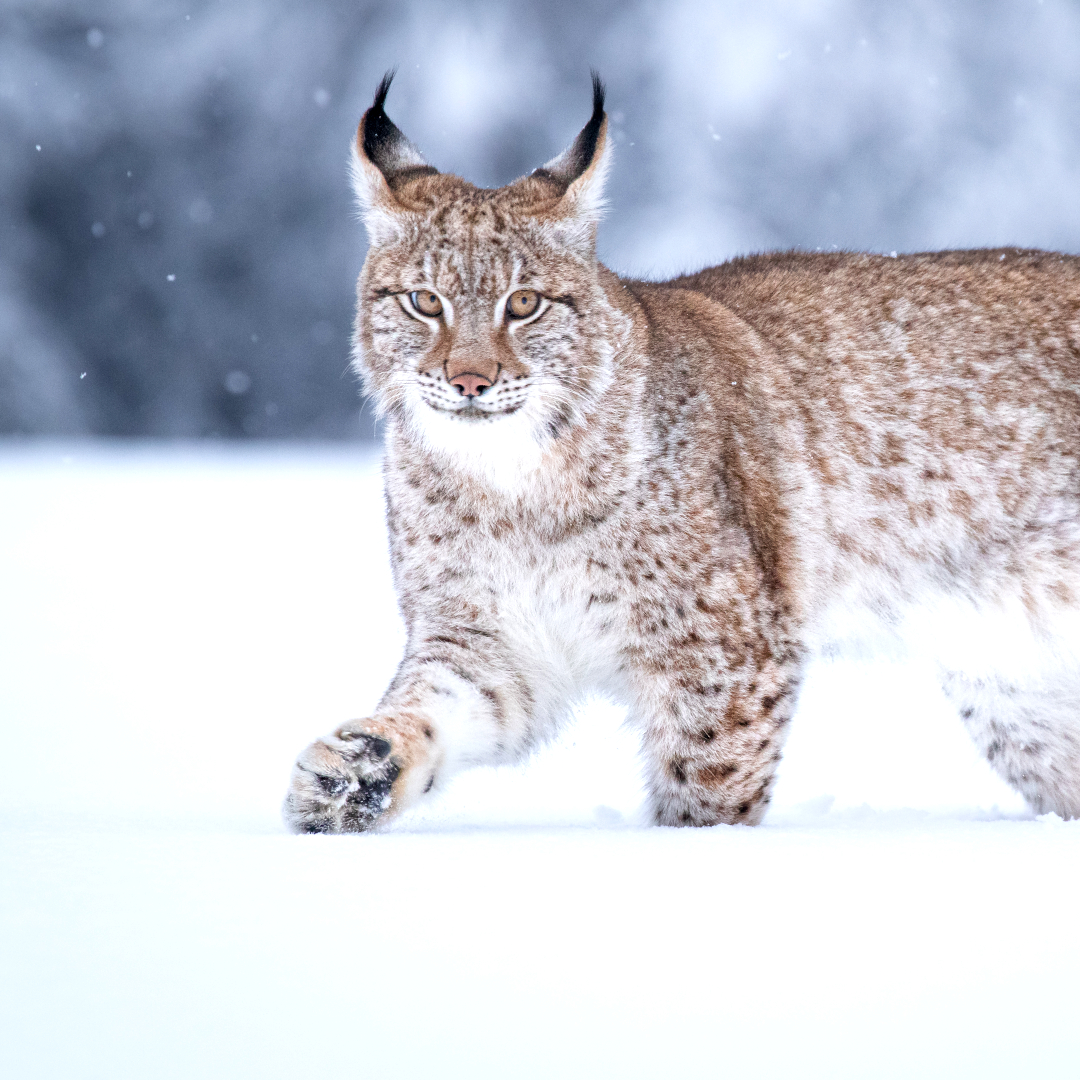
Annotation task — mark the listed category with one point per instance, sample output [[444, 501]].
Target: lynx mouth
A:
[[473, 414]]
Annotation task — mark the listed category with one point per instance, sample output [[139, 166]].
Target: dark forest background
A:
[[178, 244]]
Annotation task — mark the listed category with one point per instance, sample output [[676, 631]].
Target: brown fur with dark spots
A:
[[701, 470]]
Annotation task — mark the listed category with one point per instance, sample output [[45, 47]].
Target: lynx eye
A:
[[522, 303], [426, 302]]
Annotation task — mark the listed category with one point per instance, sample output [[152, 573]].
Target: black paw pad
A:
[[379, 747], [371, 799], [332, 785], [365, 747], [315, 825]]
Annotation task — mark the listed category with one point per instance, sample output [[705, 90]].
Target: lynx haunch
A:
[[677, 493]]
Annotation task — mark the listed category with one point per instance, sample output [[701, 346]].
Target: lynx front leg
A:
[[712, 742], [440, 715]]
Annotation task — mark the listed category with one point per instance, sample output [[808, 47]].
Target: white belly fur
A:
[[1011, 669]]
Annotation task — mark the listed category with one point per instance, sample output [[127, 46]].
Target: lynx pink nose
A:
[[469, 384]]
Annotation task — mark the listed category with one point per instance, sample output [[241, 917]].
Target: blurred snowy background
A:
[[175, 220]]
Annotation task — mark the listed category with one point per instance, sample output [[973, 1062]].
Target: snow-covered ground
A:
[[175, 624]]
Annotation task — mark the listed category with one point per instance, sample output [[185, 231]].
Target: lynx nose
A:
[[469, 384]]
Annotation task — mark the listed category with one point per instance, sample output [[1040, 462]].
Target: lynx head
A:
[[483, 329]]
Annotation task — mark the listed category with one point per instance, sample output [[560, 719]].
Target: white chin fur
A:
[[504, 450]]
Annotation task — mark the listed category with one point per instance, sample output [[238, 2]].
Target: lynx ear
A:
[[383, 160], [581, 169]]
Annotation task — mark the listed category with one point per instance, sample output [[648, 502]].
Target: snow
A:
[[178, 623]]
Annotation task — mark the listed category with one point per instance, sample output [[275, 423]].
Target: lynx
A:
[[677, 493]]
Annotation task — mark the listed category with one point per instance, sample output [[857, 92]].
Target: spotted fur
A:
[[676, 493]]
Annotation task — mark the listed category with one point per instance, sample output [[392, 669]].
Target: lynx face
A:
[[482, 324]]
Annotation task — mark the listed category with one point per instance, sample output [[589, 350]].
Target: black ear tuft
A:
[[384, 145], [379, 129], [384, 88], [573, 162], [585, 143], [598, 93]]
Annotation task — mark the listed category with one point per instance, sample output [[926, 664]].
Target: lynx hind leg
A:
[[1029, 731], [352, 780]]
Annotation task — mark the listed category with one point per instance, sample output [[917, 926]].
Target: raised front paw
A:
[[342, 783]]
